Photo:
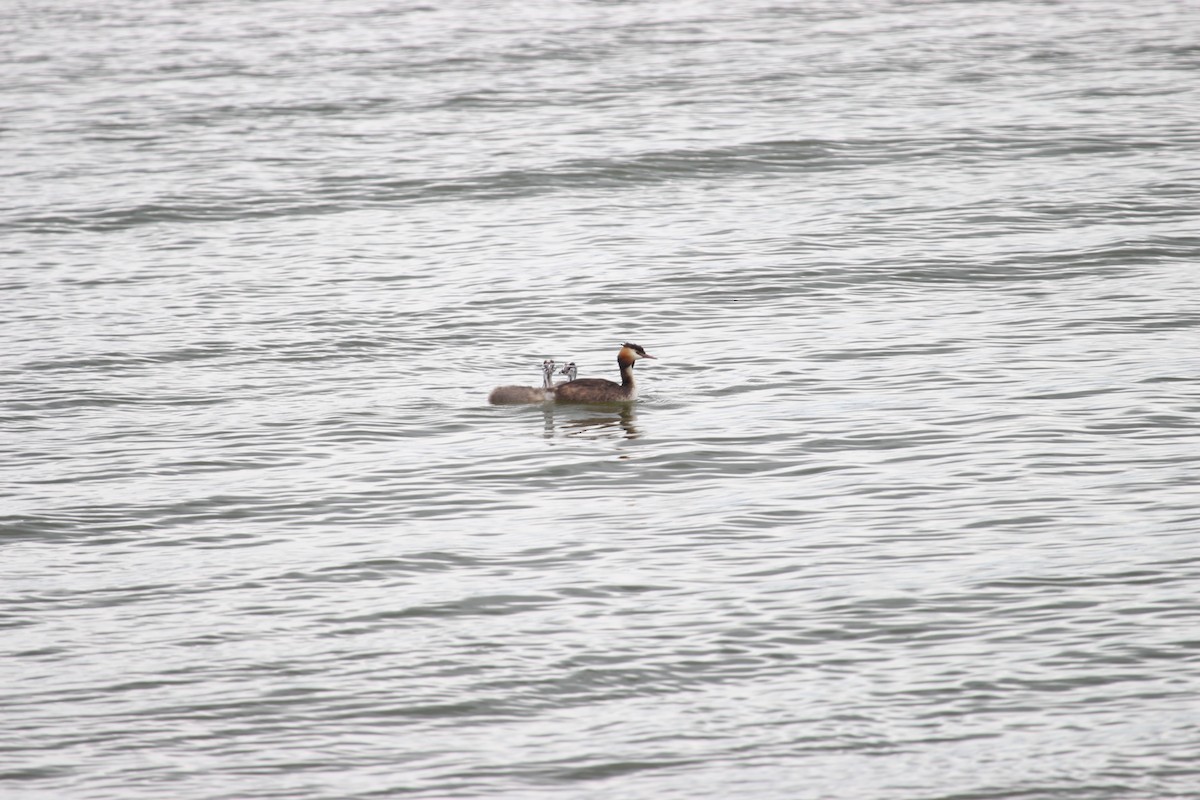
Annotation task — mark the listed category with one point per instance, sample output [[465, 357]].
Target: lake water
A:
[[908, 507]]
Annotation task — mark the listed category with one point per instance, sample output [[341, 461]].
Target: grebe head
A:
[[547, 373], [630, 353], [570, 370]]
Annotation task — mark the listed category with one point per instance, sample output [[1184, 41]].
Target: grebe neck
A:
[[626, 373]]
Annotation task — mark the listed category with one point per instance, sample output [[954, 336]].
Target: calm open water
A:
[[908, 508]]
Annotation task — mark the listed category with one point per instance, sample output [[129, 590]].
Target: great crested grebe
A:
[[598, 390], [570, 370], [508, 395]]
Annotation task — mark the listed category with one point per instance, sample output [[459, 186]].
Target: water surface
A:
[[907, 507]]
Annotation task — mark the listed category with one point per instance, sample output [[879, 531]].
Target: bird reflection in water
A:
[[597, 424]]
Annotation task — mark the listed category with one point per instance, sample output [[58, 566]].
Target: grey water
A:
[[908, 506]]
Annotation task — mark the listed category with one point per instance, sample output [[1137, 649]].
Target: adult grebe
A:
[[598, 390], [508, 395]]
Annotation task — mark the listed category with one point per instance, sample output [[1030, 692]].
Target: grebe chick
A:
[[515, 395], [570, 370], [598, 390]]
